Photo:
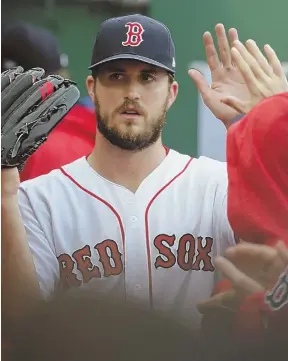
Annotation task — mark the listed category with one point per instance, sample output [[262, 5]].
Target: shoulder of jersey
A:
[[211, 166], [54, 177], [208, 168], [213, 169], [205, 161], [211, 163]]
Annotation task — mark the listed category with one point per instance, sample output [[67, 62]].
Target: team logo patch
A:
[[278, 296], [134, 34]]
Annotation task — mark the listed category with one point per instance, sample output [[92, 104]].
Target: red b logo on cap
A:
[[134, 34]]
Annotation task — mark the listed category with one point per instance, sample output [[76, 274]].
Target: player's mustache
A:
[[128, 104]]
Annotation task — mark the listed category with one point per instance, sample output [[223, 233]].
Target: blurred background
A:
[[191, 128]]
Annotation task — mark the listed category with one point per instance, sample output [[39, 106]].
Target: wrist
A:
[[9, 200], [237, 118]]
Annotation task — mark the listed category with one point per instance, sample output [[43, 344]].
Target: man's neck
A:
[[126, 168]]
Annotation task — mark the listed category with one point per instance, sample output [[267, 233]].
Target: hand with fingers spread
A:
[[263, 77], [227, 80], [250, 268]]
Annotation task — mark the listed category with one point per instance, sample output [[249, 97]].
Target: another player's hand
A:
[[263, 77], [227, 80], [250, 268]]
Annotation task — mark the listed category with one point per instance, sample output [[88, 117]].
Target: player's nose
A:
[[133, 91]]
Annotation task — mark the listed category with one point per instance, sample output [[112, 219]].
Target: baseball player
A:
[[134, 217]]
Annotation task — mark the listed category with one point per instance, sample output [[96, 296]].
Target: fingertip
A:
[[233, 34], [282, 250], [193, 71], [207, 34], [219, 26], [268, 47], [234, 50], [250, 41], [229, 251], [280, 245], [219, 258], [233, 30]]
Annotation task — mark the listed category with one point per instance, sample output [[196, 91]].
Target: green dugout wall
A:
[[265, 21]]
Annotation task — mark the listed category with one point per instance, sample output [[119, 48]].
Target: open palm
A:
[[226, 78]]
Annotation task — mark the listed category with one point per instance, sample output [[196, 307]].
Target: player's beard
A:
[[128, 141]]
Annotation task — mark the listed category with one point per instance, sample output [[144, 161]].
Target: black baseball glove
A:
[[31, 106]]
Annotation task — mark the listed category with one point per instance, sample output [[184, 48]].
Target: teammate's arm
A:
[[20, 286]]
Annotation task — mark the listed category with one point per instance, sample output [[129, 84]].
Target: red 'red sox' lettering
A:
[[84, 264], [204, 255], [165, 251], [187, 256], [134, 34], [105, 259], [68, 279], [191, 255], [111, 263]]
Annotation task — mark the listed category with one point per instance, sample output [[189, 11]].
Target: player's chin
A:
[[131, 130]]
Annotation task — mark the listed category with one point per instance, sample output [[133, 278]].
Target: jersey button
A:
[[138, 287], [133, 219]]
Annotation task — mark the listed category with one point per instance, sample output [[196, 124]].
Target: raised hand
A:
[[227, 80], [263, 77]]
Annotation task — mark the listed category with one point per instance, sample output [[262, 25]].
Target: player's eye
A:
[[146, 77], [116, 76]]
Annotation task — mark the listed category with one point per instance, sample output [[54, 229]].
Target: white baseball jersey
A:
[[156, 245]]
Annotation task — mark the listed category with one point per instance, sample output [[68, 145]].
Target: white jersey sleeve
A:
[[221, 226], [40, 243]]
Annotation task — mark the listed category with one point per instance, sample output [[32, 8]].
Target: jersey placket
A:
[[136, 269]]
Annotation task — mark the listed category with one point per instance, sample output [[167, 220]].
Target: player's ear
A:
[[173, 92], [90, 85]]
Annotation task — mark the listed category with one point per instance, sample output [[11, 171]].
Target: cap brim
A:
[[132, 57]]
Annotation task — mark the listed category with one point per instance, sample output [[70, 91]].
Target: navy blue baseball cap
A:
[[134, 37]]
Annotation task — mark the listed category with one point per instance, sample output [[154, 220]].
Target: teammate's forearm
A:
[[20, 288]]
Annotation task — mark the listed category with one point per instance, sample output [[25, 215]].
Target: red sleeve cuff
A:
[[254, 303], [222, 286]]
